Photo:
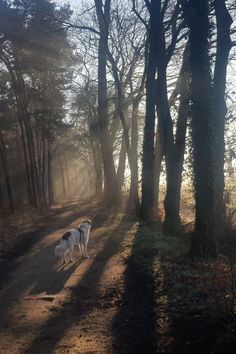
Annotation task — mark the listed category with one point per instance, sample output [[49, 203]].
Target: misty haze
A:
[[118, 176]]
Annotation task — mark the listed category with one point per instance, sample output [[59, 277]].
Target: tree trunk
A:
[[147, 201], [159, 154], [171, 204], [43, 170], [98, 174], [205, 241], [33, 185], [223, 24], [133, 201], [175, 157], [121, 165], [133, 205], [6, 173], [172, 219], [110, 180], [97, 158], [49, 171], [63, 182]]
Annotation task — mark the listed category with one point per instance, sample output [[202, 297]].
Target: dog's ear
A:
[[66, 235]]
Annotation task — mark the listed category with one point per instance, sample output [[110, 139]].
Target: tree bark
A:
[[205, 241], [171, 204], [176, 154], [63, 182], [49, 171], [172, 219], [96, 150], [33, 184], [133, 201], [110, 180], [147, 201], [133, 205], [98, 169], [121, 165], [224, 44], [6, 173], [159, 154]]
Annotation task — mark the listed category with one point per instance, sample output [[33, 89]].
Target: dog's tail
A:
[[60, 249]]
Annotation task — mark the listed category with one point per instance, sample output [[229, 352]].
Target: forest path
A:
[[78, 308]]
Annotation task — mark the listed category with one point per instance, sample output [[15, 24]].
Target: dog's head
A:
[[86, 221]]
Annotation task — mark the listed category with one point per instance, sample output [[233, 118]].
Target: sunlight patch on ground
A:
[[90, 287]]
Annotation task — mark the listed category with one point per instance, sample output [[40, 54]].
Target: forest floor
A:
[[138, 293]]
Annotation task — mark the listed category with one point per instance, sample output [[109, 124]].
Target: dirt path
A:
[[49, 308], [134, 295]]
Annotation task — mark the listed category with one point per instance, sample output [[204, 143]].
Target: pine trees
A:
[[32, 64]]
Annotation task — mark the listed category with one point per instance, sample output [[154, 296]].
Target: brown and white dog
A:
[[78, 236]]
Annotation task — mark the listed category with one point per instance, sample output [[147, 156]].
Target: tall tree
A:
[[202, 126], [172, 146], [31, 63], [147, 201], [110, 179], [6, 172], [126, 59], [223, 46]]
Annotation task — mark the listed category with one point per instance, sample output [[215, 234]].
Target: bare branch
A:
[[86, 10], [68, 25], [138, 14]]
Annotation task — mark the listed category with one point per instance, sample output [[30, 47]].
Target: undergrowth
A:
[[145, 246], [209, 285]]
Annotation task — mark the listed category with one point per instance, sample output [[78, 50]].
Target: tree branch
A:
[[138, 14]]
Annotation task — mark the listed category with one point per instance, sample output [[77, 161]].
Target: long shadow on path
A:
[[36, 272], [54, 221], [134, 325], [83, 298]]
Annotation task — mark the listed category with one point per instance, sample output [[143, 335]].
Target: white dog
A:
[[78, 236]]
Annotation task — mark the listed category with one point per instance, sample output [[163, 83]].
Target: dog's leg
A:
[[70, 257], [71, 253], [80, 250], [86, 251]]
